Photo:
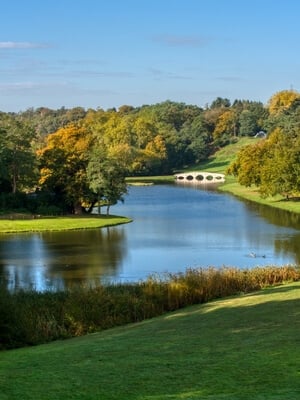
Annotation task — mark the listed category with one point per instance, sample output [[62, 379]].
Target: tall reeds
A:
[[30, 317]]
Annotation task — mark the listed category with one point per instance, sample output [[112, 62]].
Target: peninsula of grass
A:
[[18, 223], [238, 348]]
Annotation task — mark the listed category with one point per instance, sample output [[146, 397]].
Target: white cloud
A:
[[22, 45]]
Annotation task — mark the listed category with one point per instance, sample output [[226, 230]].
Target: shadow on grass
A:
[[234, 351], [242, 349]]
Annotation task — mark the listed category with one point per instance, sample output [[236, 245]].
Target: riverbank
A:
[[242, 347], [20, 223], [252, 194], [219, 163]]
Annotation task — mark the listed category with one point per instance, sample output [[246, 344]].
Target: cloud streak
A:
[[50, 88], [181, 41], [22, 45]]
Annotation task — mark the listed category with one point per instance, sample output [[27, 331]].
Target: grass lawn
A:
[[59, 223], [239, 348], [252, 194]]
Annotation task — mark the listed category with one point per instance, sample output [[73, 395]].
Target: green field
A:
[[239, 348], [28, 224]]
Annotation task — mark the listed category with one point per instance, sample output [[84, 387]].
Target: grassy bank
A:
[[30, 224], [220, 161], [30, 317], [238, 348], [252, 194], [140, 180]]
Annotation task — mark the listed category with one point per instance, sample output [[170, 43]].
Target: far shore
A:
[[230, 186], [18, 222]]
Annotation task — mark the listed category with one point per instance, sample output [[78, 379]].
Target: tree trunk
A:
[[77, 209]]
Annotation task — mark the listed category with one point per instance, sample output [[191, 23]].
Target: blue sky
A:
[[103, 54]]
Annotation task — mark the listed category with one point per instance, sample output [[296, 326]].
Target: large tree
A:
[[106, 177], [272, 164], [63, 163], [18, 161]]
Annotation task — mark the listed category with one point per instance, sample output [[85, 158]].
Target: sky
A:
[[104, 54]]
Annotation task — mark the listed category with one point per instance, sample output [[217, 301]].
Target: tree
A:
[[18, 160], [247, 123], [63, 163], [281, 171], [106, 178], [227, 125], [272, 164], [220, 102], [248, 164], [282, 101]]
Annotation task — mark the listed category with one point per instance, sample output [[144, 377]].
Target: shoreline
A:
[[252, 194], [61, 223], [230, 186]]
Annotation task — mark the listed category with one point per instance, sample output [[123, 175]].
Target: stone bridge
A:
[[200, 177]]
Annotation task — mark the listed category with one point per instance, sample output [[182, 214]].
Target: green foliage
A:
[[143, 141], [271, 164], [29, 318], [18, 161], [106, 179]]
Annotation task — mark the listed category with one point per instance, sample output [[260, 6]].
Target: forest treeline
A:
[[71, 159]]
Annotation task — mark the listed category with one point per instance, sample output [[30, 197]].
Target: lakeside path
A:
[[24, 224]]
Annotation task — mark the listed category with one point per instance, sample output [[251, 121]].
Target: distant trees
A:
[[82, 157]]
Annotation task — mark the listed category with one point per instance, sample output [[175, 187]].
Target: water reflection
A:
[[174, 227], [60, 259], [288, 242]]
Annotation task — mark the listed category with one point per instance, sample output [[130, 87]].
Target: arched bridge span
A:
[[200, 177]]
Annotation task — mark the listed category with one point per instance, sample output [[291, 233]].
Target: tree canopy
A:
[[81, 157]]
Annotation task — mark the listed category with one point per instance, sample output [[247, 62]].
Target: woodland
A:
[[65, 161]]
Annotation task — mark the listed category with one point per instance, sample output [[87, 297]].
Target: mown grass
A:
[[224, 156], [238, 348], [140, 180], [252, 194], [30, 317], [30, 224]]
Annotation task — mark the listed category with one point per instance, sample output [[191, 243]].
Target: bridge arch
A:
[[200, 177]]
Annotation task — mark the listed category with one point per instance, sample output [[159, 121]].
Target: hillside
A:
[[245, 347]]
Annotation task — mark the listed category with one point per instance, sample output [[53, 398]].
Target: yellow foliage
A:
[[225, 124], [282, 101]]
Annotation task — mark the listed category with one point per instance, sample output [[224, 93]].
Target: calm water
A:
[[174, 227]]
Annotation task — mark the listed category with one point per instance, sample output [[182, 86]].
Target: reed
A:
[[30, 317]]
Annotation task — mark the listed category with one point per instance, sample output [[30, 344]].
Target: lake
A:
[[174, 227]]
